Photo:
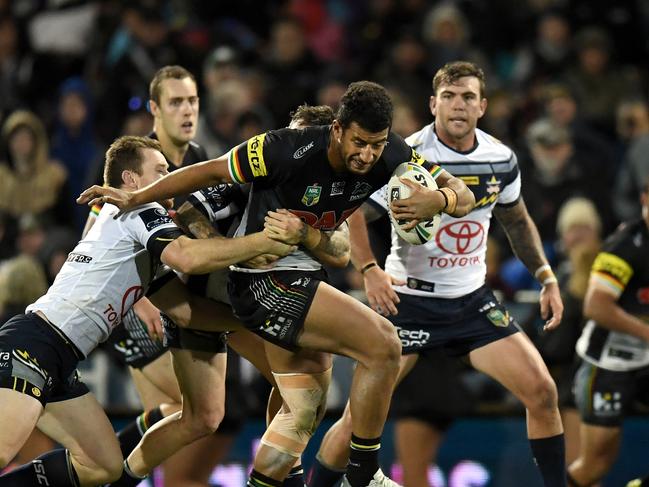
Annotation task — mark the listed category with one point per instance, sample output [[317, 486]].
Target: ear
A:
[[153, 108], [129, 179], [483, 107], [337, 131], [432, 104]]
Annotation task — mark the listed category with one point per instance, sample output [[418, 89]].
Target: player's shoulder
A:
[[197, 152], [490, 146], [150, 215], [628, 239], [302, 140]]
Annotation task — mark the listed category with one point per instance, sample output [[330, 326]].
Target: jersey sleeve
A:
[[266, 157], [152, 227], [511, 183], [398, 151], [379, 199], [612, 269], [215, 202]]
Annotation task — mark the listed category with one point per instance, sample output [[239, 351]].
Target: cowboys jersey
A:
[[621, 268], [290, 169], [108, 271], [453, 263]]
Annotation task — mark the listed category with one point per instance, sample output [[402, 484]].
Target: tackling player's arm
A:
[[525, 241], [201, 256], [609, 276]]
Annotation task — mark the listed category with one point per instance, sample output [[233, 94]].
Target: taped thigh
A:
[[305, 397]]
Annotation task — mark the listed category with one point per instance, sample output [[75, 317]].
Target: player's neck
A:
[[333, 155], [174, 153], [465, 144]]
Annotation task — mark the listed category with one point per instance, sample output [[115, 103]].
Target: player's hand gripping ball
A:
[[425, 230]]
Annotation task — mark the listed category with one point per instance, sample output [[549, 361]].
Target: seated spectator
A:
[[30, 182]]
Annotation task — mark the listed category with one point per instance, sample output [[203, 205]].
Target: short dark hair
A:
[[450, 73], [167, 72], [368, 104], [313, 115], [125, 154]]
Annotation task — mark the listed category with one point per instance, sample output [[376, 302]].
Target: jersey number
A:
[[326, 221]]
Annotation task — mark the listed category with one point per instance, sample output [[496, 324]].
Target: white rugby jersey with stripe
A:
[[106, 273], [453, 263]]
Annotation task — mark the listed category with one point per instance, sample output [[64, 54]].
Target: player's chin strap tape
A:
[[305, 399]]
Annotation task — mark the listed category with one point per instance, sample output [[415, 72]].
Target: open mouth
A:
[[187, 126]]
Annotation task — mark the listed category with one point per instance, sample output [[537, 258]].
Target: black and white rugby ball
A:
[[425, 230]]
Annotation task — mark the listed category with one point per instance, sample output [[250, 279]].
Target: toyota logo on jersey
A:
[[460, 238]]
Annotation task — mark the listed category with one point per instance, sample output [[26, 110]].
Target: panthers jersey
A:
[[290, 169], [453, 263], [622, 268], [108, 271]]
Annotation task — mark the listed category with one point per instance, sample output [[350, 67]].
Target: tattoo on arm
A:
[[195, 222], [523, 235], [336, 243]]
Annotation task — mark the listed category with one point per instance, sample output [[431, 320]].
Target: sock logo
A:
[[39, 468]]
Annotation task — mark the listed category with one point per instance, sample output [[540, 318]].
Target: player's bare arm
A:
[[424, 203], [201, 256], [601, 305], [194, 222], [525, 241], [378, 284], [182, 181], [331, 248]]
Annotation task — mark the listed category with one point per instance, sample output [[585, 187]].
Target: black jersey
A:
[[623, 267], [289, 168], [195, 153]]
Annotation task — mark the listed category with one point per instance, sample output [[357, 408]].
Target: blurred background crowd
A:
[[567, 84]]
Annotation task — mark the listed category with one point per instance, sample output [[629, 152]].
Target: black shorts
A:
[[457, 325], [132, 344], [274, 304], [604, 397], [189, 339], [432, 392], [37, 360]]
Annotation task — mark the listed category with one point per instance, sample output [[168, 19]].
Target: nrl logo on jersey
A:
[[302, 150], [311, 195]]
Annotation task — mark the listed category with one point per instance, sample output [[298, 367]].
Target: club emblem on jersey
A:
[[493, 185], [337, 188], [361, 190], [498, 318], [311, 195]]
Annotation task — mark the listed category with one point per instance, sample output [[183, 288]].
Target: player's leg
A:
[[516, 364], [600, 446], [602, 397], [416, 443], [201, 376], [80, 425], [20, 413], [159, 393], [333, 455]]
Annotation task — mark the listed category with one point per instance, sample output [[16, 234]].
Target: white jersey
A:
[[453, 263], [108, 271]]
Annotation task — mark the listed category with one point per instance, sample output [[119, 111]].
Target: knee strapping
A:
[[305, 397]]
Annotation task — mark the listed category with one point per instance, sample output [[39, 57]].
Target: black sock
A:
[[131, 435], [322, 475], [363, 460], [550, 457], [128, 478], [295, 477], [257, 479], [52, 468]]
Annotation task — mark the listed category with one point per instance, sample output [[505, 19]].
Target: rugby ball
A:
[[396, 190]]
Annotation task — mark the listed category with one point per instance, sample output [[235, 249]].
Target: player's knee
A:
[[5, 456], [542, 395], [306, 397], [386, 346], [206, 420]]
